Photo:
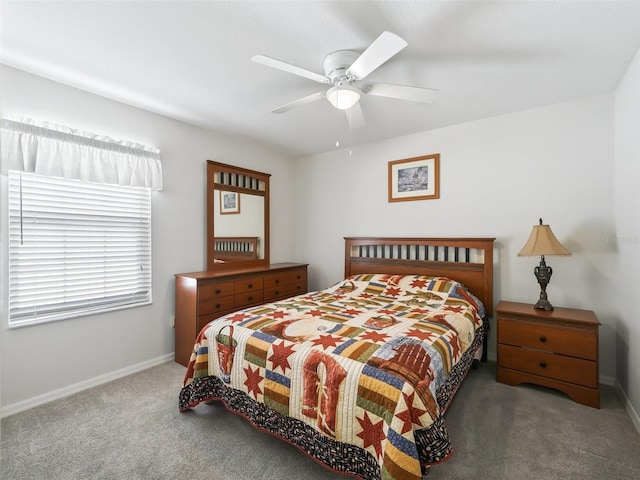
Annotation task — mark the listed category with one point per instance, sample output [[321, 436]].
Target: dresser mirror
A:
[[237, 217]]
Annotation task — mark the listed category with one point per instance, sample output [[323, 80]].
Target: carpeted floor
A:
[[131, 429]]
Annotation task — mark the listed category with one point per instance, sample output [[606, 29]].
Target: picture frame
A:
[[416, 178], [229, 202]]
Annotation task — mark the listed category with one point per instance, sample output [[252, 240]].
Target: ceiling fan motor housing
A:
[[336, 65]]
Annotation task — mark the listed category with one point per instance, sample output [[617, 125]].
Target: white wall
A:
[[627, 216], [41, 359], [498, 176]]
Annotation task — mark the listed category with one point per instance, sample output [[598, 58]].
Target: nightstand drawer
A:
[[567, 341], [558, 367]]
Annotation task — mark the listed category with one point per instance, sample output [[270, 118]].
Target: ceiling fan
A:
[[345, 71]]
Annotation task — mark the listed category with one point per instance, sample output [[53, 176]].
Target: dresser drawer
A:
[[284, 291], [214, 305], [297, 288], [567, 341], [215, 289], [248, 284], [283, 278], [558, 367], [245, 299], [275, 293]]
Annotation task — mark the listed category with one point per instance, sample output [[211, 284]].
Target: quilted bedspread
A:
[[358, 376]]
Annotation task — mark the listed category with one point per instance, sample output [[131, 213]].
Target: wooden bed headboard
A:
[[235, 248], [466, 260]]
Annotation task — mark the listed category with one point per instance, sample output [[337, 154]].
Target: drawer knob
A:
[[543, 364], [217, 291], [217, 305], [277, 280], [299, 277], [250, 285], [250, 298], [543, 338], [277, 292]]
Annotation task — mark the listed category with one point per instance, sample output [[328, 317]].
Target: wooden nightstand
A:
[[556, 349]]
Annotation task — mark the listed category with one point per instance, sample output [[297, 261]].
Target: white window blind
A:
[[76, 248]]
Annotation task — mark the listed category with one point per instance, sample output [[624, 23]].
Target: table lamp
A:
[[543, 242]]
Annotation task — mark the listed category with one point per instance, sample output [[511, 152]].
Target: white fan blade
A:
[[382, 49], [301, 101], [402, 92], [355, 116], [280, 65]]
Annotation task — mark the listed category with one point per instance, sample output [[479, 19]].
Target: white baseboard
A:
[[80, 386], [607, 380], [635, 419]]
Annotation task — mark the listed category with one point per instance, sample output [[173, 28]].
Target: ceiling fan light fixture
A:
[[343, 97]]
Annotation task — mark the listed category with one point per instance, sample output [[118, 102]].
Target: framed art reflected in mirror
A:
[[229, 203]]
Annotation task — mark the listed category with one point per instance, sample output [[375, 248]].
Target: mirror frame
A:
[[214, 168]]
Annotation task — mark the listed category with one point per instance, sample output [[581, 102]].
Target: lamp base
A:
[[543, 275], [543, 304]]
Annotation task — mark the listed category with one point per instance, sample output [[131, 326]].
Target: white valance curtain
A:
[[58, 151]]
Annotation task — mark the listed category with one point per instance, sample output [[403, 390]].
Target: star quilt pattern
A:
[[358, 375]]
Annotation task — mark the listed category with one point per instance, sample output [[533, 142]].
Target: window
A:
[[79, 220], [76, 248]]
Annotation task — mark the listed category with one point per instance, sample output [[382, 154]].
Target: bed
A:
[[235, 248], [359, 375]]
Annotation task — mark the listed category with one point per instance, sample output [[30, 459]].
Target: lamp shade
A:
[[542, 241], [343, 97]]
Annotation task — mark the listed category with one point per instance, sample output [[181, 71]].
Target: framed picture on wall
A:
[[416, 178], [229, 202]]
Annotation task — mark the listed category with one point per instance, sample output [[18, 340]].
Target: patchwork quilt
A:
[[357, 376]]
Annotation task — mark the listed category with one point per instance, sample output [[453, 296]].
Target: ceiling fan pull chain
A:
[[350, 123]]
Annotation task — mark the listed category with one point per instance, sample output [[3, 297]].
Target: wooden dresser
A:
[[204, 296], [556, 349]]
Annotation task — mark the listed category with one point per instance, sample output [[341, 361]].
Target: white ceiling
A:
[[190, 60]]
